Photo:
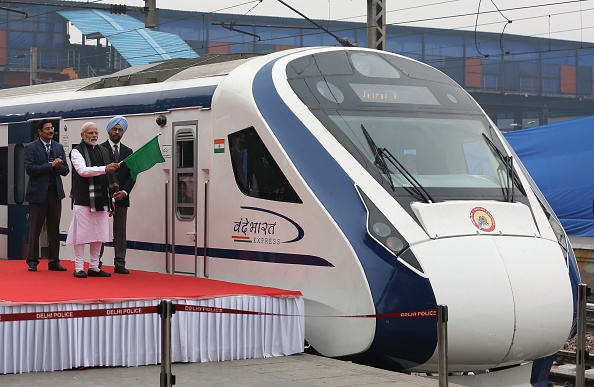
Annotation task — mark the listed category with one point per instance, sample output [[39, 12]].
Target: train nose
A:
[[510, 297]]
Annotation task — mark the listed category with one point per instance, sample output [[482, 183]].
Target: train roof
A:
[[102, 96], [163, 71]]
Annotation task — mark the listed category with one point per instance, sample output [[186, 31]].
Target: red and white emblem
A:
[[482, 219]]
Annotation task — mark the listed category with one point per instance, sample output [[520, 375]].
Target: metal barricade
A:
[[442, 344], [166, 309]]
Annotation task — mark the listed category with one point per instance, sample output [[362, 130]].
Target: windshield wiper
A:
[[512, 176], [381, 155], [380, 161], [414, 184]]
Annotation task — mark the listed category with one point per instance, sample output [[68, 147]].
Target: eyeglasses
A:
[[92, 133], [117, 129]]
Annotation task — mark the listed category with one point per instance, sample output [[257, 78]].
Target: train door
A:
[[19, 134], [185, 213]]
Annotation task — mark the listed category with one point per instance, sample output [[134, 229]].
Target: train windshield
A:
[[438, 152], [409, 125]]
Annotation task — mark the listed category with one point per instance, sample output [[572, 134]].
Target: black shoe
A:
[[32, 267], [56, 267], [99, 273], [121, 270], [80, 274]]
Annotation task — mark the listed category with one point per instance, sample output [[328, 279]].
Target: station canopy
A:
[[138, 45]]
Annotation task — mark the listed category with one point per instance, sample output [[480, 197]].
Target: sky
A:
[[557, 19]]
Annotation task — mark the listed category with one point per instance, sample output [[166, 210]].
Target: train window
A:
[[185, 157], [330, 92], [442, 152], [373, 66], [257, 174], [392, 113], [185, 153], [326, 63], [185, 195]]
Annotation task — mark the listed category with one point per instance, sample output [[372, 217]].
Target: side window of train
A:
[[257, 174], [184, 174]]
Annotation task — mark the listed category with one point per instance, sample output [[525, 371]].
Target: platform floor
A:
[[297, 370]]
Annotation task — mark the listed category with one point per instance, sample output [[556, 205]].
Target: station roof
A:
[[138, 45]]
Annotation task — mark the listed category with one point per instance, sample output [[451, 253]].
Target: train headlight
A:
[[383, 232], [395, 244], [381, 229]]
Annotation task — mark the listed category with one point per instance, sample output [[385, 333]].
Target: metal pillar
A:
[[580, 361], [442, 344], [518, 121], [544, 115], [166, 309], [376, 24], [33, 65], [150, 10]]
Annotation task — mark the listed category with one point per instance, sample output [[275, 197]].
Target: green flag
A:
[[144, 158]]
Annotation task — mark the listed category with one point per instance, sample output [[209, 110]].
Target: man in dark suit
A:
[[116, 127], [45, 164]]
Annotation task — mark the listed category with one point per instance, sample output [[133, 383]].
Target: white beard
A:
[[92, 142]]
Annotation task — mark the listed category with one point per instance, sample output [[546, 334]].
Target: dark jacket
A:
[[104, 185], [40, 170], [124, 179]]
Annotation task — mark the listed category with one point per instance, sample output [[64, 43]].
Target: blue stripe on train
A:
[[242, 255], [393, 286], [110, 105]]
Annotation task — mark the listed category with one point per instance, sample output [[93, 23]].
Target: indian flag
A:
[[219, 145]]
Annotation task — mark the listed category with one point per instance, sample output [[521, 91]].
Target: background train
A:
[[371, 182]]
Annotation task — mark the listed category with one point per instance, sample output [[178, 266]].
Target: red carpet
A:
[[19, 286]]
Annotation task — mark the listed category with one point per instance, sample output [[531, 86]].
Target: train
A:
[[371, 182]]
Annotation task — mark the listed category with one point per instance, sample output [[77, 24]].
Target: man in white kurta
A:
[[92, 201]]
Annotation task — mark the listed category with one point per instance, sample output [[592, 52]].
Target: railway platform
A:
[[288, 371]]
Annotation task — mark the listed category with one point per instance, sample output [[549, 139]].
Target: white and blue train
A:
[[372, 183]]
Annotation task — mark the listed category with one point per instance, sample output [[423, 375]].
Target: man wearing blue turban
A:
[[116, 127]]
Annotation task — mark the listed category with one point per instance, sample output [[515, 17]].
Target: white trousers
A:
[[79, 256]]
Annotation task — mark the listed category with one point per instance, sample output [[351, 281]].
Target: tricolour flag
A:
[[144, 158], [219, 145]]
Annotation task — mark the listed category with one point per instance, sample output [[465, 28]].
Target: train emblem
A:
[[482, 219]]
